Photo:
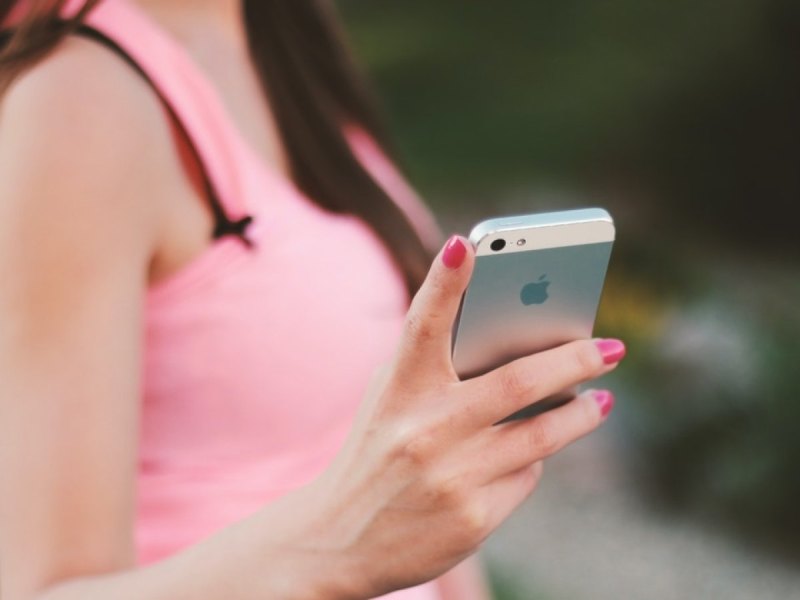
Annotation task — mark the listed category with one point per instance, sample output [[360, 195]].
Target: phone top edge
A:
[[544, 230], [545, 219]]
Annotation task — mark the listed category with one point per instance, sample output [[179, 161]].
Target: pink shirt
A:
[[256, 359]]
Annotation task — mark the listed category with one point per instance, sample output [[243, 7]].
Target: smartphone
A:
[[536, 284]]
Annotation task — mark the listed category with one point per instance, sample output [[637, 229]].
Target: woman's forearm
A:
[[256, 558]]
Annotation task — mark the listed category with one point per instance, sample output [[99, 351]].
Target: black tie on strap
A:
[[238, 228], [223, 225]]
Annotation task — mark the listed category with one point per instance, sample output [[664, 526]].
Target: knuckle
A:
[[514, 382], [473, 522], [412, 446], [419, 328], [542, 438], [585, 358], [447, 492]]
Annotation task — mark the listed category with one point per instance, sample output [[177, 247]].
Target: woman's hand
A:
[[425, 477]]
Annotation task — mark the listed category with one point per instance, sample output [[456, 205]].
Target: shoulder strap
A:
[[224, 224]]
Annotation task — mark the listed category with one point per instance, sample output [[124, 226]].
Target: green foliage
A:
[[507, 587], [689, 106], [715, 412]]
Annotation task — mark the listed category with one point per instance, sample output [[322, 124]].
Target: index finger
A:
[[425, 346]]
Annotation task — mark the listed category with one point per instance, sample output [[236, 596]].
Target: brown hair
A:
[[314, 88]]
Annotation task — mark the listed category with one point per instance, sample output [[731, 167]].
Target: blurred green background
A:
[[683, 119]]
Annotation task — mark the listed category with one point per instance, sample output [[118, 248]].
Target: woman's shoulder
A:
[[81, 141], [81, 93]]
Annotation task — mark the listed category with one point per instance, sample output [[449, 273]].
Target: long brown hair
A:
[[315, 88]]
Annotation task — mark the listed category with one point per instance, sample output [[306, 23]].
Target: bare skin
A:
[[82, 232]]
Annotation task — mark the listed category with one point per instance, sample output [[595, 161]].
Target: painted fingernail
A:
[[454, 252], [605, 400], [612, 350]]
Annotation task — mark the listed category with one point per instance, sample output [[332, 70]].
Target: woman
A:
[[199, 290]]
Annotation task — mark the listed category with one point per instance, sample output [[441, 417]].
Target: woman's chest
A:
[[268, 350]]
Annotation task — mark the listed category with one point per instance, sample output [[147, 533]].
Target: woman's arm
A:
[[76, 231]]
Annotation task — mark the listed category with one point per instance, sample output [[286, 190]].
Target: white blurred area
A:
[[586, 535]]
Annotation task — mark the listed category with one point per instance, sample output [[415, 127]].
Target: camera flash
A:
[[521, 242]]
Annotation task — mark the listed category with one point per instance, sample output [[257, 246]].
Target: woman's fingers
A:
[[426, 343], [515, 445], [509, 491], [509, 388]]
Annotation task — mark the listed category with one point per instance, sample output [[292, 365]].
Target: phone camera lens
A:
[[498, 245]]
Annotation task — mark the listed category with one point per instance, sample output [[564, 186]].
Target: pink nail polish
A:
[[454, 253], [612, 350], [605, 400]]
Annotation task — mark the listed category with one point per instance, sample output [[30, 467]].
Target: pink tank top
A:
[[256, 358]]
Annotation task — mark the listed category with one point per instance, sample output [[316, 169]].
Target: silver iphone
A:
[[536, 285]]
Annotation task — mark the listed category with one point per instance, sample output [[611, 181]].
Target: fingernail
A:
[[612, 350], [454, 252], [605, 400]]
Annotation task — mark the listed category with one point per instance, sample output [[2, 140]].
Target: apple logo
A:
[[535, 292]]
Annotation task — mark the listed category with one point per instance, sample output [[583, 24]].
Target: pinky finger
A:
[[506, 493], [512, 446]]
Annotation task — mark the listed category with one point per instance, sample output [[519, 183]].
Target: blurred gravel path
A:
[[585, 535]]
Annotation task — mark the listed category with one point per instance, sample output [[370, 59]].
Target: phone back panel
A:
[[525, 301]]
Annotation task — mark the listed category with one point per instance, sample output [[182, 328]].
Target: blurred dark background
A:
[[683, 119]]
